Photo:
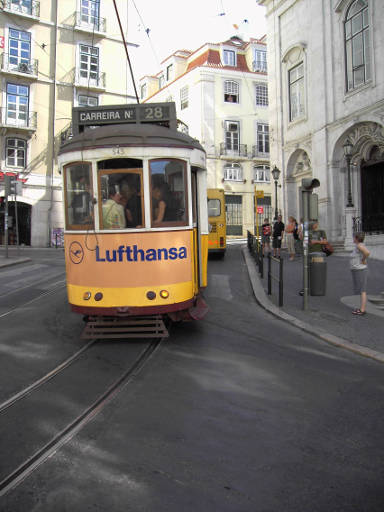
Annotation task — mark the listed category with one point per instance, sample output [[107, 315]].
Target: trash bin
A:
[[317, 273]]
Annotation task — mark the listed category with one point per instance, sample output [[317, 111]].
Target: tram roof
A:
[[129, 135]]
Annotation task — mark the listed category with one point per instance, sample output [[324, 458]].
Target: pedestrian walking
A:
[[277, 236], [359, 270], [266, 235]]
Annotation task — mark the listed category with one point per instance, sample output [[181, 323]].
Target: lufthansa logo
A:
[[76, 253]]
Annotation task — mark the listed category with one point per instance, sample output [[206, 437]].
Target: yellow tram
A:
[[217, 243], [136, 223]]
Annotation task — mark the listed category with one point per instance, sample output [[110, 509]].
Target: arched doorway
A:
[[372, 191], [22, 212]]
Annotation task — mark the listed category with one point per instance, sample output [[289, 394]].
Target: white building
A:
[[326, 92], [54, 55], [221, 96]]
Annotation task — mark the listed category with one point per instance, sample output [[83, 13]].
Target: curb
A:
[[13, 261], [265, 303]]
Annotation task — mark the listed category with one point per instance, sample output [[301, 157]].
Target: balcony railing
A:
[[10, 64], [22, 7], [233, 149], [18, 119], [90, 82], [90, 23], [256, 153]]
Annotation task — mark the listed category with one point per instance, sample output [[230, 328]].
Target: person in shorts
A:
[[277, 236], [359, 270]]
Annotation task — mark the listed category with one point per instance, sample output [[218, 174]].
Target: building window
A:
[[296, 92], [357, 45], [89, 63], [169, 72], [233, 172], [232, 135], [87, 101], [184, 97], [19, 50], [23, 6], [143, 91], [17, 104], [262, 95], [261, 173], [15, 153], [161, 81], [229, 57], [260, 60], [262, 138], [90, 13], [231, 91]]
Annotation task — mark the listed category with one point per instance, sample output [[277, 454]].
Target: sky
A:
[[179, 24]]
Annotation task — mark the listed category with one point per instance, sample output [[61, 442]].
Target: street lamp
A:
[[348, 147], [276, 174]]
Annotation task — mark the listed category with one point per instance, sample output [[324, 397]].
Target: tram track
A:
[[26, 463]]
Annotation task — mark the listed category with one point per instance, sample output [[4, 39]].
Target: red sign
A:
[[2, 42], [260, 209]]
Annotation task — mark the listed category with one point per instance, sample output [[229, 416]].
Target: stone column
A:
[[350, 213]]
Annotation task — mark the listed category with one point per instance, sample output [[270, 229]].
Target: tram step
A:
[[130, 327]]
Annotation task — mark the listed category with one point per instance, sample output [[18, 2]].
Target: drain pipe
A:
[[53, 117]]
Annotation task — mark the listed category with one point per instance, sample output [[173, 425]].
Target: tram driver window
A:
[[168, 193], [214, 207], [121, 199], [78, 196]]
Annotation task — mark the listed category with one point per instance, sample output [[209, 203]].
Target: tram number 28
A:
[[151, 113]]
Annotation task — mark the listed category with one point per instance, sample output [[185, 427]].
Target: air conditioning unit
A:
[[23, 67]]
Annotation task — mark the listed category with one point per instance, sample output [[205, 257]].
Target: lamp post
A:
[[348, 147], [276, 174]]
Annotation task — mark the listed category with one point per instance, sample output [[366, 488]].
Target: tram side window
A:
[[168, 193], [214, 208], [121, 199], [78, 196]]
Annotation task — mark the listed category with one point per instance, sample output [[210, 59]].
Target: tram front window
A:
[[214, 208], [78, 196], [121, 198], [168, 193]]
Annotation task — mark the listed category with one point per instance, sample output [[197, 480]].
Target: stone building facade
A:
[[326, 91]]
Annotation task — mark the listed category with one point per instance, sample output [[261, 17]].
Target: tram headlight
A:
[[98, 296], [87, 295], [164, 294], [151, 295]]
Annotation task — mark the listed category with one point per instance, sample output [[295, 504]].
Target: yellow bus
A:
[[217, 221]]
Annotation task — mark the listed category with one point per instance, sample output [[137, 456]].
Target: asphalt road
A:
[[239, 412]]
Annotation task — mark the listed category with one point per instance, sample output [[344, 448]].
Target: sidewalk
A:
[[24, 254], [328, 317]]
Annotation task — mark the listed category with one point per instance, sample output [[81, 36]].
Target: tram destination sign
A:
[[163, 114]]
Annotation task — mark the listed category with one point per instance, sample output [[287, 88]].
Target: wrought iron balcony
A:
[[90, 23], [233, 149], [256, 153], [22, 7], [11, 64], [90, 81], [18, 119]]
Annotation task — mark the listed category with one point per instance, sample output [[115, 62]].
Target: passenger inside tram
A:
[[113, 211], [131, 201], [164, 203]]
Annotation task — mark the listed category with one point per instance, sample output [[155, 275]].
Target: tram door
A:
[[196, 229], [234, 209]]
